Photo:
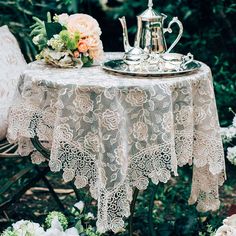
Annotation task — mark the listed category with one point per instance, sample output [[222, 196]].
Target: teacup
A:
[[176, 61]]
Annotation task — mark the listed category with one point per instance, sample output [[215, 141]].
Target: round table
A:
[[115, 132]]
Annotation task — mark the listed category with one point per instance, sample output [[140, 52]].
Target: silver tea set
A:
[[150, 48]]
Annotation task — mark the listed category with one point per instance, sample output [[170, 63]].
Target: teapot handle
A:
[[169, 30]]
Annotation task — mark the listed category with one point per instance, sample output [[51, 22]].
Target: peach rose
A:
[[84, 24], [82, 46]]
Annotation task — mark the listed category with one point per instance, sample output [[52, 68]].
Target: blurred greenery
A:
[[209, 34]]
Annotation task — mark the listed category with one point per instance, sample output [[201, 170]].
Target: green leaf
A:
[[77, 36], [79, 227], [87, 61], [71, 44], [64, 34], [52, 29]]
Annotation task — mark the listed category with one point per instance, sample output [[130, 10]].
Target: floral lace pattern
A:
[[115, 132], [12, 63]]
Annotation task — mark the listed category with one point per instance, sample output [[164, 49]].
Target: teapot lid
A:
[[150, 14]]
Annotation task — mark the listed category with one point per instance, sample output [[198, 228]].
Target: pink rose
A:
[[76, 54]]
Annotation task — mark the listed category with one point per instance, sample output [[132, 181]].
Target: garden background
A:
[[209, 34]]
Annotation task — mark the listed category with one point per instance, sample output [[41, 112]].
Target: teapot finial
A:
[[150, 4]]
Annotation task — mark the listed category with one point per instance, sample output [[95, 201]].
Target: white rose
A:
[[80, 205], [63, 19], [226, 230]]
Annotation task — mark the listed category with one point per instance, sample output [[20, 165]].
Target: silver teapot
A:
[[150, 35]]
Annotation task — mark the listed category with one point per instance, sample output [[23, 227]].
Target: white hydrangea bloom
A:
[[228, 133], [25, 227], [231, 154], [234, 122], [56, 43]]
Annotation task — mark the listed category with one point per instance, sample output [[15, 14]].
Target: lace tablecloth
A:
[[115, 132]]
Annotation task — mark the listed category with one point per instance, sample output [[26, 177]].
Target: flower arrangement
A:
[[68, 40], [228, 134], [56, 224]]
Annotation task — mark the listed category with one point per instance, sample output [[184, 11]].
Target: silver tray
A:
[[119, 66]]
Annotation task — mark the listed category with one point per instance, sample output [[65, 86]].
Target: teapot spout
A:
[[127, 46]]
